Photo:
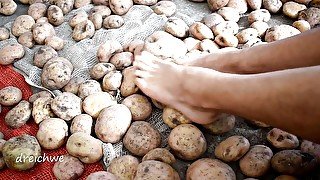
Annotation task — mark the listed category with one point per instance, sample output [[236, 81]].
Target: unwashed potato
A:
[[224, 123], [273, 6], [173, 118], [187, 142], [55, 15], [259, 15], [78, 18], [43, 55], [311, 15], [145, 2], [112, 81], [113, 22], [122, 60], [4, 33], [155, 170], [226, 40], [85, 147], [55, 42], [68, 169], [73, 85], [66, 106], [42, 109], [128, 87], [160, 154], [42, 20], [200, 31], [95, 103], [212, 20], [232, 148], [209, 169], [293, 162], [108, 49], [104, 11], [315, 3], [246, 35], [83, 30], [42, 30], [81, 3], [291, 9], [19, 115], [167, 8], [65, 5], [257, 161], [239, 5], [192, 43], [99, 70], [100, 2], [302, 25], [52, 133], [10, 96], [81, 123], [97, 20], [139, 106], [261, 27], [254, 4], [23, 144], [311, 148], [120, 7], [8, 7], [101, 175], [37, 10], [230, 27], [26, 39], [2, 163], [141, 138], [124, 167], [22, 24], [89, 87], [217, 4], [280, 32], [133, 45], [285, 177], [229, 14], [10, 53], [282, 140], [177, 27]]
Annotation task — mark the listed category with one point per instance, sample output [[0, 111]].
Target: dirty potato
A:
[[282, 140], [113, 22], [229, 14], [112, 81], [230, 27], [146, 2], [212, 20], [177, 27], [122, 60], [200, 31], [55, 15], [108, 49], [11, 53], [68, 169], [167, 8], [65, 5], [55, 42], [311, 15], [133, 45], [26, 39], [42, 109], [22, 24], [192, 43], [37, 10], [139, 106], [42, 20], [280, 32], [124, 167], [292, 9], [10, 96], [128, 87], [254, 4], [311, 148], [160, 154], [97, 20], [240, 5], [217, 4], [226, 40], [104, 11], [259, 15], [81, 3], [43, 55], [83, 30], [73, 85], [99, 70], [89, 87], [101, 175], [78, 18], [224, 123], [120, 7], [155, 170], [66, 106], [81, 123], [42, 30], [273, 6], [8, 7], [302, 25], [232, 148], [246, 35], [4, 33], [95, 103], [19, 115], [173, 118], [285, 177], [208, 46], [261, 27]]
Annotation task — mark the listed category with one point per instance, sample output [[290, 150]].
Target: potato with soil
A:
[[155, 170], [282, 140], [207, 168], [113, 22], [104, 11], [208, 46], [160, 154], [112, 81], [78, 18], [23, 144], [65, 5], [81, 123], [66, 106], [285, 177], [167, 8], [8, 7], [261, 27], [55, 15], [311, 148], [52, 133], [302, 25], [200, 31], [81, 3], [42, 109], [11, 53], [42, 20], [55, 42], [100, 2], [141, 138], [19, 115], [177, 27], [108, 49], [2, 163], [10, 96], [257, 161], [259, 15], [232, 148], [128, 87], [37, 10], [130, 47], [26, 39], [223, 124], [315, 3], [212, 20], [146, 2], [173, 118], [239, 5], [254, 4], [246, 35], [280, 32], [95, 103], [101, 175], [69, 169], [83, 30], [139, 106], [273, 6], [291, 9], [187, 142], [73, 85], [41, 31], [229, 14], [97, 20], [85, 147], [124, 167], [217, 4], [226, 40], [99, 70], [43, 55], [120, 7], [311, 15], [22, 24], [122, 60], [89, 87], [293, 162], [192, 43], [4, 33], [230, 27]]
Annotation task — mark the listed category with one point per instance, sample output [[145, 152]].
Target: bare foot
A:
[[163, 81]]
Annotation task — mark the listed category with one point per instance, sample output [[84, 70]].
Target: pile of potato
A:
[[86, 114]]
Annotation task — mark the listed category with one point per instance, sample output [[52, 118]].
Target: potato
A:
[[177, 27], [101, 2], [42, 20], [291, 9], [252, 42], [120, 7], [285, 177], [273, 6], [81, 3], [73, 85], [187, 142], [2, 163], [83, 30], [315, 3], [8, 7], [19, 115], [310, 148], [173, 118], [78, 18], [52, 133], [37, 10], [155, 170], [282, 140], [229, 14], [259, 15], [257, 161], [200, 31], [167, 8], [209, 169], [230, 27], [99, 70], [293, 162], [104, 11], [10, 53], [81, 123], [224, 123], [85, 147], [23, 144], [112, 81], [55, 15], [226, 40], [56, 73], [280, 32], [217, 4], [128, 87], [95, 103], [160, 154], [232, 148], [192, 43], [130, 47], [311, 15], [240, 5], [302, 25], [43, 55], [101, 175], [88, 87], [141, 138], [122, 60], [254, 4], [37, 1], [145, 2], [113, 22], [212, 20], [65, 5], [41, 31], [42, 109], [4, 33], [26, 39], [55, 42], [10, 96], [24, 1], [69, 169], [246, 35], [96, 20], [139, 106], [124, 167], [66, 106], [261, 27], [108, 49]]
